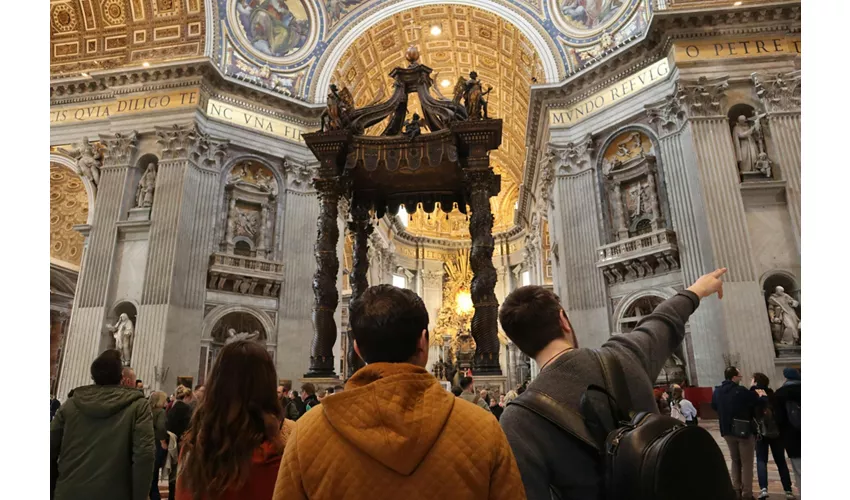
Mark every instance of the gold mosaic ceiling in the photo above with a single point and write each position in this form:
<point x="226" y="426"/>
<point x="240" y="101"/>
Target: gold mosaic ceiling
<point x="88" y="35"/>
<point x="69" y="205"/>
<point x="470" y="39"/>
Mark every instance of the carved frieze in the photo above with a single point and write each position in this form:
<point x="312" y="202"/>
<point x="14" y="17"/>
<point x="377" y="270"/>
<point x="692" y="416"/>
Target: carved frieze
<point x="780" y="92"/>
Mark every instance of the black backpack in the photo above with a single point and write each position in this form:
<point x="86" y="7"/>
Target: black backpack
<point x="766" y="426"/>
<point x="792" y="408"/>
<point x="643" y="456"/>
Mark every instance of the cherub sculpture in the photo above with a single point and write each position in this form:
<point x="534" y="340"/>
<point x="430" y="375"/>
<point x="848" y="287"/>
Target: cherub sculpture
<point x="340" y="105"/>
<point x="413" y="127"/>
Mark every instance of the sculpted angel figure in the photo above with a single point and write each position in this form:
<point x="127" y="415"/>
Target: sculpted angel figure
<point x="473" y="93"/>
<point x="88" y="160"/>
<point x="413" y="127"/>
<point x="232" y="336"/>
<point x="340" y="106"/>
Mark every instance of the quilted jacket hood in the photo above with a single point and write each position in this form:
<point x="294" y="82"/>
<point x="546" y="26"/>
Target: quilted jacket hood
<point x="393" y="412"/>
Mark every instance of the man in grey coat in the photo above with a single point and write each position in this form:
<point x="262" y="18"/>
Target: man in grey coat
<point x="549" y="459"/>
<point x="101" y="440"/>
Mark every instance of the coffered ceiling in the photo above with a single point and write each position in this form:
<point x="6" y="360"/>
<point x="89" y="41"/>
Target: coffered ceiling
<point x="453" y="40"/>
<point x="88" y="35"/>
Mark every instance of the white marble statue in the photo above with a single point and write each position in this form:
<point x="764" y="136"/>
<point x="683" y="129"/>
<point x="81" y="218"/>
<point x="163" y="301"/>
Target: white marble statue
<point x="745" y="137"/>
<point x="784" y="322"/>
<point x="232" y="336"/>
<point x="144" y="193"/>
<point x="764" y="165"/>
<point x="88" y="160"/>
<point x="123" y="333"/>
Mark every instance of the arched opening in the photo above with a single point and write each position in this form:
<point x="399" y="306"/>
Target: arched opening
<point x="233" y="325"/>
<point x="674" y="370"/>
<point x="242" y="248"/>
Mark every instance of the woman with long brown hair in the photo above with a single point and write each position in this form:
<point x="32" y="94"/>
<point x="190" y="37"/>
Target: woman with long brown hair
<point x="234" y="444"/>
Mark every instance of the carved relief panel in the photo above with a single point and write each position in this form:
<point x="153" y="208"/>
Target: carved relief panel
<point x="251" y="208"/>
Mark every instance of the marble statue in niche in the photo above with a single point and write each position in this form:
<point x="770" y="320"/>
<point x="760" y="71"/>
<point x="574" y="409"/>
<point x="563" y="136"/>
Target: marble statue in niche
<point x="784" y="322"/>
<point x="147" y="184"/>
<point x="232" y="336"/>
<point x="123" y="333"/>
<point x="750" y="153"/>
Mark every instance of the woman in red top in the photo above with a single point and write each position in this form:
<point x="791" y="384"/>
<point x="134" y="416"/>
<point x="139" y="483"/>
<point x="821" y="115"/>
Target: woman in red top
<point x="235" y="441"/>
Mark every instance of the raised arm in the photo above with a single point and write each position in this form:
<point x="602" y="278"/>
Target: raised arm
<point x="656" y="335"/>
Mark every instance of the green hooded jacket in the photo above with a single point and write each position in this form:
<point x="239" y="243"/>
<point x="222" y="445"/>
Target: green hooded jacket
<point x="102" y="445"/>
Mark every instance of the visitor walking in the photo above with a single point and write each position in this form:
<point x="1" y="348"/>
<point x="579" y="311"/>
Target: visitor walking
<point x="549" y="458"/>
<point x="234" y="445"/>
<point x="787" y="408"/>
<point x="308" y="395"/>
<point x="102" y="440"/>
<point x="736" y="407"/>
<point x="769" y="438"/>
<point x="395" y="431"/>
<point x="681" y="408"/>
<point x="177" y="422"/>
<point x="157" y="402"/>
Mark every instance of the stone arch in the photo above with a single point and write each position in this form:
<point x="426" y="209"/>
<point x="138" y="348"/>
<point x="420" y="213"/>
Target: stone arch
<point x="72" y="165"/>
<point x="276" y="171"/>
<point x="216" y="315"/>
<point x="535" y="35"/>
<point x="69" y="206"/>
<point x="663" y="293"/>
<point x="638" y="127"/>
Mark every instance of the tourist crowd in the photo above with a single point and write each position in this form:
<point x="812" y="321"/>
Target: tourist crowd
<point x="394" y="431"/>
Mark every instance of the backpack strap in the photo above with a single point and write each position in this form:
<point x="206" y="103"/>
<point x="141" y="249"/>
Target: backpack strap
<point x="566" y="419"/>
<point x="615" y="381"/>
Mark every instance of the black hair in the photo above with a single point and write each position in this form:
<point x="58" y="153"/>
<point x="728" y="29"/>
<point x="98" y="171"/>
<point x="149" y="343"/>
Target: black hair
<point x="531" y="318"/>
<point x="761" y="379"/>
<point x="457" y="391"/>
<point x="386" y="323"/>
<point x="107" y="368"/>
<point x="465" y="382"/>
<point x="730" y="373"/>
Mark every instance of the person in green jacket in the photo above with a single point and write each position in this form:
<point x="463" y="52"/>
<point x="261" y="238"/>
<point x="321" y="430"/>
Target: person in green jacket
<point x="102" y="439"/>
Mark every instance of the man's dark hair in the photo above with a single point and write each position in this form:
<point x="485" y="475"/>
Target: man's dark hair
<point x="309" y="388"/>
<point x="730" y="373"/>
<point x="457" y="391"/>
<point x="761" y="379"/>
<point x="107" y="369"/>
<point x="386" y="323"/>
<point x="465" y="382"/>
<point x="530" y="317"/>
<point x="138" y="381"/>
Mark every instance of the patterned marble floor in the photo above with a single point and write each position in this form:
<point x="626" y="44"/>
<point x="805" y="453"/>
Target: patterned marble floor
<point x="774" y="486"/>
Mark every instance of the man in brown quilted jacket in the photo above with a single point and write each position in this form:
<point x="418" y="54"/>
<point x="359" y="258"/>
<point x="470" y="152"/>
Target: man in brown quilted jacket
<point x="394" y="431"/>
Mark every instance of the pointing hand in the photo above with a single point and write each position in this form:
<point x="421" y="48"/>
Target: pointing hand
<point x="709" y="284"/>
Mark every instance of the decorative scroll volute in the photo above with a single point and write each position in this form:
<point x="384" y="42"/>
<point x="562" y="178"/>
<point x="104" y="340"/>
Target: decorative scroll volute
<point x="120" y="148"/>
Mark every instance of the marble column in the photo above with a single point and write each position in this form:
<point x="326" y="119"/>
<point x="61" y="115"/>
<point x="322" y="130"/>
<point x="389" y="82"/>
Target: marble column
<point x="114" y="195"/>
<point x="780" y="96"/>
<point x="582" y="285"/>
<point x="171" y="313"/>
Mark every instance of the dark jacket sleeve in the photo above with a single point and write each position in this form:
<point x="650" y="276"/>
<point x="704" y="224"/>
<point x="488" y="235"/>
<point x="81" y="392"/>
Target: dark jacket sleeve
<point x="57" y="429"/>
<point x="292" y="411"/>
<point x="159" y="432"/>
<point x="656" y="335"/>
<point x="143" y="451"/>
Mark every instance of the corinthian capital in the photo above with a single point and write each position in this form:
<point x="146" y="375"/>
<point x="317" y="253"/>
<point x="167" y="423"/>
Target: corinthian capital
<point x="119" y="148"/>
<point x="208" y="152"/>
<point x="668" y="115"/>
<point x="574" y="157"/>
<point x="176" y="141"/>
<point x="780" y="92"/>
<point x="702" y="97"/>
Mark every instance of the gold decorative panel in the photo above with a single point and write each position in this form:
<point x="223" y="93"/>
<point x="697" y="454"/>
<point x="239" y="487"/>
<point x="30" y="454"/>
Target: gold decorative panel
<point x="69" y="205"/>
<point x="470" y="39"/>
<point x="88" y="35"/>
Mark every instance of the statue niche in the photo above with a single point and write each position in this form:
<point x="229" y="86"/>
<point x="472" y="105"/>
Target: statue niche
<point x="630" y="180"/>
<point x="748" y="140"/>
<point x="783" y="311"/>
<point x="251" y="202"/>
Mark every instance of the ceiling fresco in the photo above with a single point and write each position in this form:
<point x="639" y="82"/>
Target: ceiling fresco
<point x="287" y="45"/>
<point x="91" y="35"/>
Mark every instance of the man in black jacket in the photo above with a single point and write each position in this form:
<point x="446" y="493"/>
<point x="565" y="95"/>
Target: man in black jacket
<point x="308" y="395"/>
<point x="733" y="402"/>
<point x="532" y="317"/>
<point x="177" y="422"/>
<point x="789" y="394"/>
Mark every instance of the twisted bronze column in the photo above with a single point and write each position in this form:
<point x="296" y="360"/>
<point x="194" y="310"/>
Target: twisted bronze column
<point x="480" y="182"/>
<point x="324" y="280"/>
<point x="361" y="228"/>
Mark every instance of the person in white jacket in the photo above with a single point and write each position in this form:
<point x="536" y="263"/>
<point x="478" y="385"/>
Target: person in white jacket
<point x="681" y="408"/>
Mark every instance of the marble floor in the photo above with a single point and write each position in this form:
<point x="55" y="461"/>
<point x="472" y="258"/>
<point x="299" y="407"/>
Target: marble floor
<point x="774" y="486"/>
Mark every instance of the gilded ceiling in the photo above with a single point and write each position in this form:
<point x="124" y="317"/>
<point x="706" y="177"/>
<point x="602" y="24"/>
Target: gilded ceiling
<point x="453" y="41"/>
<point x="69" y="206"/>
<point x="88" y="35"/>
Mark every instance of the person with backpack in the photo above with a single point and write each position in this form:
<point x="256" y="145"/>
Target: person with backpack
<point x="787" y="410"/>
<point x="558" y="426"/>
<point x="736" y="407"/>
<point x="768" y="438"/>
<point x="681" y="408"/>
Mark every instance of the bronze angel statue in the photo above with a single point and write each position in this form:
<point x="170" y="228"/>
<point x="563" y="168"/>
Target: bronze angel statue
<point x="473" y="93"/>
<point x="340" y="105"/>
<point x="413" y="127"/>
